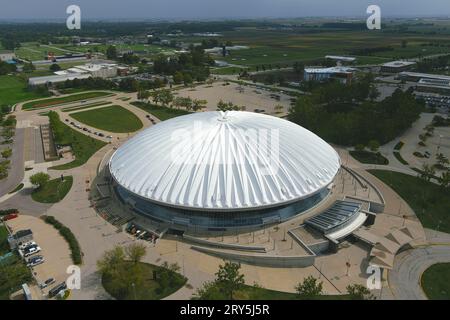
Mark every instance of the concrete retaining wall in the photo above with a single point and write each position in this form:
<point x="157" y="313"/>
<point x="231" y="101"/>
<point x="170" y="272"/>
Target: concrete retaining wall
<point x="266" y="260"/>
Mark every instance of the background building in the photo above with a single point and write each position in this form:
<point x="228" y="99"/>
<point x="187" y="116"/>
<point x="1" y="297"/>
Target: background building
<point x="397" y="66"/>
<point x="342" y="74"/>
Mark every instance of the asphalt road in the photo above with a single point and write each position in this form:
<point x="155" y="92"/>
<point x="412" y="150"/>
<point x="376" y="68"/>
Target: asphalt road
<point x="16" y="172"/>
<point x="404" y="279"/>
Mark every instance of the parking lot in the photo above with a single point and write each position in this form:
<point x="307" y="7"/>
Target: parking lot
<point x="54" y="250"/>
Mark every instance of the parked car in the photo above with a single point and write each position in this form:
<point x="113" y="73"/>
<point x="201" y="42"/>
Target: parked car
<point x="31" y="250"/>
<point x="27" y="244"/>
<point x="10" y="216"/>
<point x="101" y="134"/>
<point x="32" y="262"/>
<point x="47" y="283"/>
<point x="60" y="287"/>
<point x="109" y="137"/>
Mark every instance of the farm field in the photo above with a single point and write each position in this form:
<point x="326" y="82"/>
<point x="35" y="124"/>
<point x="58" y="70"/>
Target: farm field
<point x="281" y="47"/>
<point x="113" y="119"/>
<point x="13" y="89"/>
<point x="32" y="51"/>
<point x="140" y="49"/>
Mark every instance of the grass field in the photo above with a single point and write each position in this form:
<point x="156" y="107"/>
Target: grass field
<point x="87" y="106"/>
<point x="369" y="157"/>
<point x="72" y="98"/>
<point x="53" y="191"/>
<point x="13" y="89"/>
<point x="83" y="147"/>
<point x="429" y="201"/>
<point x="162" y="113"/>
<point x="112" y="119"/>
<point x="149" y="288"/>
<point x="435" y="281"/>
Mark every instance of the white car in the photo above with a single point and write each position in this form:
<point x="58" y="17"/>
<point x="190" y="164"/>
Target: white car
<point x="30" y="251"/>
<point x="27" y="244"/>
<point x="35" y="261"/>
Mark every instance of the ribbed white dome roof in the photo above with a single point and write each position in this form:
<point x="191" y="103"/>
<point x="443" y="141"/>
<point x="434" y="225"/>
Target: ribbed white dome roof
<point x="209" y="160"/>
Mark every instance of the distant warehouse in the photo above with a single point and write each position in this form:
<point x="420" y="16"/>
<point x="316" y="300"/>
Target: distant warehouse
<point x="397" y="66"/>
<point x="428" y="82"/>
<point x="343" y="74"/>
<point x="101" y="70"/>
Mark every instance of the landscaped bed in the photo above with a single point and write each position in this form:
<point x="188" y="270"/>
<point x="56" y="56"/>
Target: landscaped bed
<point x="369" y="157"/>
<point x="53" y="191"/>
<point x="429" y="201"/>
<point x="162" y="113"/>
<point x="83" y="147"/>
<point x="112" y="119"/>
<point x="149" y="288"/>
<point x="72" y="98"/>
<point x="435" y="281"/>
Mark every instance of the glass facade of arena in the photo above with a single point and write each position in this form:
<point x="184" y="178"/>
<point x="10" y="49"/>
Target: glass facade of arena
<point x="216" y="221"/>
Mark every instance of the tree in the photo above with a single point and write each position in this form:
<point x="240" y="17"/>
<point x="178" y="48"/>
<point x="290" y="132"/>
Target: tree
<point x="373" y="145"/>
<point x="135" y="252"/>
<point x="359" y="292"/>
<point x="55" y="67"/>
<point x="229" y="278"/>
<point x="111" y="53"/>
<point x="28" y="67"/>
<point x="7" y="153"/>
<point x="198" y="104"/>
<point x="279" y="108"/>
<point x="39" y="179"/>
<point x="166" y="96"/>
<point x="359" y="147"/>
<point x="442" y="160"/>
<point x="427" y="172"/>
<point x="309" y="288"/>
<point x="444" y="181"/>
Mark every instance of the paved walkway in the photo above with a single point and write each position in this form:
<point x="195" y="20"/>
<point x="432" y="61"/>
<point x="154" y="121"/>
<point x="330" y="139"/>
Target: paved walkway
<point x="404" y="279"/>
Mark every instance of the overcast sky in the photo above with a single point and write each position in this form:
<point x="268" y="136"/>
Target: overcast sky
<point x="212" y="9"/>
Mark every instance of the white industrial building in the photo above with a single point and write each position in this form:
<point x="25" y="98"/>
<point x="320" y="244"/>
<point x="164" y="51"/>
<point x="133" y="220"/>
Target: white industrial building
<point x="7" y="55"/>
<point x="99" y="70"/>
<point x="343" y="74"/>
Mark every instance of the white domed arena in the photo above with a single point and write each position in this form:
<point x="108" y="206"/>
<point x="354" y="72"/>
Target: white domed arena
<point x="222" y="171"/>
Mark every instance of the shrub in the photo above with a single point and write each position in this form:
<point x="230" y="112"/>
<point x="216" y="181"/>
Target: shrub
<point x="68" y="236"/>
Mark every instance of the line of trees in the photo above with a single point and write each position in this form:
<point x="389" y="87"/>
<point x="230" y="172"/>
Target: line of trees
<point x="349" y="115"/>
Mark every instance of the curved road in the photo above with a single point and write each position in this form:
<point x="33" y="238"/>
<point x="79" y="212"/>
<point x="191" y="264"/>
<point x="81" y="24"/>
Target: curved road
<point x="404" y="279"/>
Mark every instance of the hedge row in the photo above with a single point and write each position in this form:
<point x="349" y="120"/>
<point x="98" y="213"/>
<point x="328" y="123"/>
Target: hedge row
<point x="8" y="211"/>
<point x="68" y="235"/>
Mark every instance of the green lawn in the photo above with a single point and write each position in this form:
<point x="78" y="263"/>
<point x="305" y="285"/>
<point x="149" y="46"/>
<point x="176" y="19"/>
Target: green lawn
<point x="369" y="157"/>
<point x="430" y="202"/>
<point x="13" y="89"/>
<point x="149" y="288"/>
<point x="87" y="106"/>
<point x="162" y="113"/>
<point x="72" y="98"/>
<point x="112" y="119"/>
<point x="53" y="191"/>
<point x="83" y="146"/>
<point x="435" y="281"/>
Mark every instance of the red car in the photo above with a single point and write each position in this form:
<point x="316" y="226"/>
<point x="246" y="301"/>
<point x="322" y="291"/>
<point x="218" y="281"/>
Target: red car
<point x="10" y="216"/>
